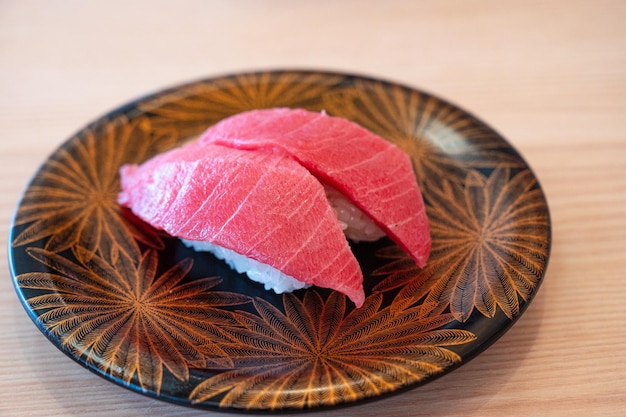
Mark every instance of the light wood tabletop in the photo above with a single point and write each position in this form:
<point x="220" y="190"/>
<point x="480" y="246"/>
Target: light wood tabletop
<point x="550" y="76"/>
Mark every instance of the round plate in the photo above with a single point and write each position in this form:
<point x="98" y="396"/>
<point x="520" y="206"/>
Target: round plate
<point x="138" y="308"/>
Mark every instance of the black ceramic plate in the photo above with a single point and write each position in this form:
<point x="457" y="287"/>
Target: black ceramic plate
<point x="139" y="309"/>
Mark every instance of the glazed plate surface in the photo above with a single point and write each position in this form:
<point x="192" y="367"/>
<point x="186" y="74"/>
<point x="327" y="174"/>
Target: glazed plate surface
<point x="138" y="308"/>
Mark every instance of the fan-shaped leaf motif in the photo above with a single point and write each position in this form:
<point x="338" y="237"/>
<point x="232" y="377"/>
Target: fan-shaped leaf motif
<point x="72" y="199"/>
<point x="190" y="110"/>
<point x="122" y="322"/>
<point x="442" y="140"/>
<point x="313" y="353"/>
<point x="489" y="248"/>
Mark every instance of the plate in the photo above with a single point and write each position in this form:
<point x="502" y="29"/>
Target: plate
<point x="141" y="310"/>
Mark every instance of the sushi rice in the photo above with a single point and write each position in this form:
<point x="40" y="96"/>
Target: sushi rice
<point x="356" y="225"/>
<point x="257" y="271"/>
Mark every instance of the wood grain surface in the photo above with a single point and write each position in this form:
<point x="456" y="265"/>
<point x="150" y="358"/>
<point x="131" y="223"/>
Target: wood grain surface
<point x="548" y="75"/>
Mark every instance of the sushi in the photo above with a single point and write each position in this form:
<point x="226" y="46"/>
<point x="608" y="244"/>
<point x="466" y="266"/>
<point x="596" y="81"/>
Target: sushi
<point x="369" y="171"/>
<point x="276" y="193"/>
<point x="262" y="212"/>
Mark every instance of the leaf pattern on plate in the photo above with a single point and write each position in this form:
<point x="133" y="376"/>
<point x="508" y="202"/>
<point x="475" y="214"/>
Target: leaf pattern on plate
<point x="190" y="110"/>
<point x="442" y="140"/>
<point x="125" y="301"/>
<point x="72" y="201"/>
<point x="132" y="325"/>
<point x="489" y="248"/>
<point x="314" y="354"/>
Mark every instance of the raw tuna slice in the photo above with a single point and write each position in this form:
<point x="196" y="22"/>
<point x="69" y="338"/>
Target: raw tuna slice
<point x="263" y="205"/>
<point x="375" y="174"/>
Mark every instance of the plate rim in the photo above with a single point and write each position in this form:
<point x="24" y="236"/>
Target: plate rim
<point x="130" y="108"/>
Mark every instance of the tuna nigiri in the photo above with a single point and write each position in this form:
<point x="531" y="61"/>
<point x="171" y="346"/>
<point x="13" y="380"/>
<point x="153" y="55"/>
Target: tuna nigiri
<point x="240" y="204"/>
<point x="375" y="175"/>
<point x="270" y="192"/>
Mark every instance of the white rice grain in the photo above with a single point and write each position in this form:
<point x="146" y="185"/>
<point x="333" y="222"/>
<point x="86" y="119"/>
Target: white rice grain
<point x="356" y="225"/>
<point x="270" y="277"/>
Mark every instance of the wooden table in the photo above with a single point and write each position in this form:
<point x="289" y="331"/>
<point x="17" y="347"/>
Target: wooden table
<point x="550" y="76"/>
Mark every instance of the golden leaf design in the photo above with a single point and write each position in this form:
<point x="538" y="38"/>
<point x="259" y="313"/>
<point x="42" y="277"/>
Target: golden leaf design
<point x="314" y="354"/>
<point x="442" y="140"/>
<point x="490" y="244"/>
<point x="191" y="109"/>
<point x="129" y="322"/>
<point x="102" y="293"/>
<point x="72" y="199"/>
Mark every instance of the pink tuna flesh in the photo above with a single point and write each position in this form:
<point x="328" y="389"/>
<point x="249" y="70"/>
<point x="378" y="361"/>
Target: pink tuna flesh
<point x="375" y="174"/>
<point x="263" y="205"/>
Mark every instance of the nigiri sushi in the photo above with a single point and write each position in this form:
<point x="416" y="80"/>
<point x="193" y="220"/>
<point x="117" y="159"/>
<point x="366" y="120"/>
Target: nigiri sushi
<point x="272" y="192"/>
<point x="372" y="173"/>
<point x="262" y="212"/>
